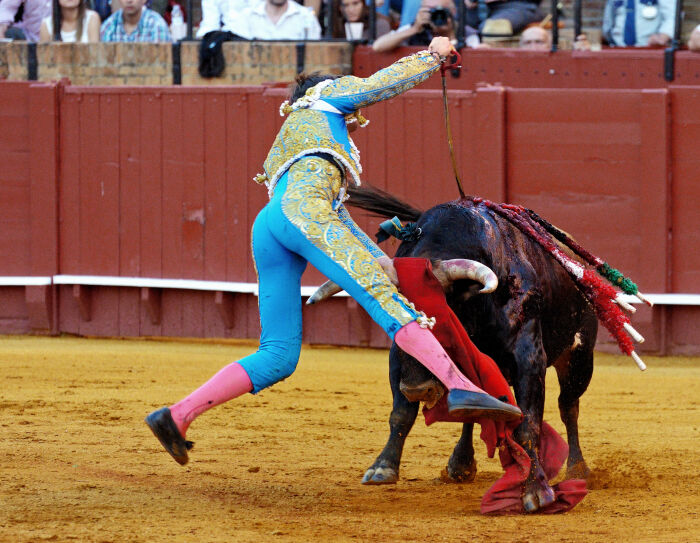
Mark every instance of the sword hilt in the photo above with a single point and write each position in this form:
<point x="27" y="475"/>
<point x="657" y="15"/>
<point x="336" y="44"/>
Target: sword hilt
<point x="455" y="62"/>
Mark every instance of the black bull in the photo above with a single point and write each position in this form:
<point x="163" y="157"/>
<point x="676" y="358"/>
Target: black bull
<point x="536" y="318"/>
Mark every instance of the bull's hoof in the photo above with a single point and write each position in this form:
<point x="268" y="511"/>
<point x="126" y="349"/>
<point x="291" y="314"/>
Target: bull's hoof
<point x="578" y="471"/>
<point x="535" y="500"/>
<point x="163" y="427"/>
<point x="380" y="476"/>
<point x="459" y="474"/>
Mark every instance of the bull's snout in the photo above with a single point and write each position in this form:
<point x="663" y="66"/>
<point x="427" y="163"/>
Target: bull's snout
<point x="429" y="392"/>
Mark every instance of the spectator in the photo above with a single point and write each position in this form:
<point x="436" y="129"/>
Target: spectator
<point x="353" y="21"/>
<point x="21" y="19"/>
<point x="386" y="7"/>
<point x="491" y="17"/>
<point x="502" y="18"/>
<point x="74" y="23"/>
<point x="135" y="22"/>
<point x="434" y="18"/>
<point x="215" y="14"/>
<point x="638" y="23"/>
<point x="582" y="44"/>
<point x="535" y="38"/>
<point x="694" y="40"/>
<point x="275" y="20"/>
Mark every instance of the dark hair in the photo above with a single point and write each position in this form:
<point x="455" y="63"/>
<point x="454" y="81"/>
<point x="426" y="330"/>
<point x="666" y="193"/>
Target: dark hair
<point x="304" y="82"/>
<point x="339" y="20"/>
<point x="57" y="20"/>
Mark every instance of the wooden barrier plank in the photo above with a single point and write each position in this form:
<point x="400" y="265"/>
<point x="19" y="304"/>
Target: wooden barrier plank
<point x="15" y="167"/>
<point x="685" y="189"/>
<point x="172" y="200"/>
<point x="397" y="176"/>
<point x="654" y="190"/>
<point x="193" y="210"/>
<point x="491" y="144"/>
<point x="127" y="148"/>
<point x="15" y="247"/>
<point x="373" y="142"/>
<point x="69" y="174"/>
<point x="150" y="199"/>
<point x="129" y="151"/>
<point x="411" y="140"/>
<point x="14" y="136"/>
<point x="465" y="139"/>
<point x="193" y="312"/>
<point x="99" y="211"/>
<point x="239" y="183"/>
<point x="216" y="199"/>
<point x="151" y="185"/>
<point x="44" y="179"/>
<point x="216" y="203"/>
<point x="43" y="203"/>
<point x="99" y="195"/>
<point x="13" y="310"/>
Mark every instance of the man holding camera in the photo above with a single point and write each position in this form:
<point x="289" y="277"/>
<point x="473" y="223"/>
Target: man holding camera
<point x="434" y="18"/>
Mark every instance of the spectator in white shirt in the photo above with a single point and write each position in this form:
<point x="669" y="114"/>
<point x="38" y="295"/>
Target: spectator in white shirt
<point x="275" y="20"/>
<point x="215" y="14"/>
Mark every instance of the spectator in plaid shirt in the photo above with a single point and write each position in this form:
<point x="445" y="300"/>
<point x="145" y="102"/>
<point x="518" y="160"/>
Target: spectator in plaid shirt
<point x="135" y="22"/>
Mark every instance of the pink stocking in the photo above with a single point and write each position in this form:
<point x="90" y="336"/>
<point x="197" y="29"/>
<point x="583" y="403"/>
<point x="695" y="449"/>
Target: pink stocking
<point x="230" y="382"/>
<point x="422" y="345"/>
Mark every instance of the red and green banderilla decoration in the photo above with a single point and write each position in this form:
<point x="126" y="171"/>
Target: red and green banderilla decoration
<point x="604" y="298"/>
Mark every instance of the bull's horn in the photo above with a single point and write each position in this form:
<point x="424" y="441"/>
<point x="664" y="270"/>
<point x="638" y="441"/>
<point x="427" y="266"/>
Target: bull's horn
<point x="461" y="268"/>
<point x="326" y="290"/>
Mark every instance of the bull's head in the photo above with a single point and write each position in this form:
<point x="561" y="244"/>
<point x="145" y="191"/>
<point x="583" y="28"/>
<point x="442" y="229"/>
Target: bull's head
<point x="445" y="271"/>
<point x="417" y="383"/>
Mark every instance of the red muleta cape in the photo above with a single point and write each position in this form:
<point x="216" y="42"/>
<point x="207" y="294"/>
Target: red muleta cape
<point x="422" y="288"/>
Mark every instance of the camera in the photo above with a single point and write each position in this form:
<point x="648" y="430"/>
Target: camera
<point x="439" y="17"/>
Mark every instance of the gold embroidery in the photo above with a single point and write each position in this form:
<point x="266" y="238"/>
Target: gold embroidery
<point x="304" y="132"/>
<point x="402" y="75"/>
<point x="312" y="184"/>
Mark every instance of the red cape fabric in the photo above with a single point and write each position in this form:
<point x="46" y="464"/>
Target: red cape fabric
<point x="421" y="287"/>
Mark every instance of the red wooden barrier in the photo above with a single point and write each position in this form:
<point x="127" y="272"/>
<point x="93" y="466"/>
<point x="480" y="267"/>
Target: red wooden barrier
<point x="157" y="182"/>
<point x="607" y="69"/>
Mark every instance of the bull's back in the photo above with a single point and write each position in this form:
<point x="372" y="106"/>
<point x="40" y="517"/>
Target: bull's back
<point x="532" y="284"/>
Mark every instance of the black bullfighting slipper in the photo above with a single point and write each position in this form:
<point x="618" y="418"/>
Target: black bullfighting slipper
<point x="477" y="404"/>
<point x="163" y="427"/>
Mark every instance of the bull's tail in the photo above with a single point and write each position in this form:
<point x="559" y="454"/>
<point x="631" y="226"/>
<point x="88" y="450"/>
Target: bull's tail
<point x="382" y="204"/>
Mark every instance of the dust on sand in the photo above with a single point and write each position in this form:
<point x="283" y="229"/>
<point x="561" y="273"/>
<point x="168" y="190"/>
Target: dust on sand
<point x="79" y="464"/>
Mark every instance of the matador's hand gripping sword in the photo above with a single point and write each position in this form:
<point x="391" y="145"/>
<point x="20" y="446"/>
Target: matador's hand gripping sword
<point x="454" y="63"/>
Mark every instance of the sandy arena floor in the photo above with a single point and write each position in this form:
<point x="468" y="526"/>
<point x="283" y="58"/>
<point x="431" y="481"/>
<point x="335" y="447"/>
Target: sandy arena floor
<point x="285" y="466"/>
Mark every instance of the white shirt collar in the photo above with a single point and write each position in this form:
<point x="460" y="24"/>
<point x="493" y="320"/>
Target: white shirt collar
<point x="292" y="8"/>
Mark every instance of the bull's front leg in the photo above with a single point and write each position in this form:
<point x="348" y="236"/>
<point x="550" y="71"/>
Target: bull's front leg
<point x="461" y="468"/>
<point x="531" y="364"/>
<point x="385" y="469"/>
